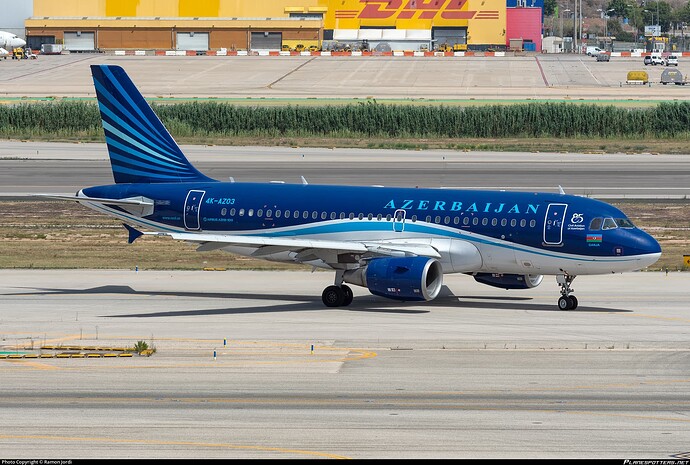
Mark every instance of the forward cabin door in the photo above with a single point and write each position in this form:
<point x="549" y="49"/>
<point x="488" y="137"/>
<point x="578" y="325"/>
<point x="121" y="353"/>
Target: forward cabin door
<point x="553" y="224"/>
<point x="192" y="210"/>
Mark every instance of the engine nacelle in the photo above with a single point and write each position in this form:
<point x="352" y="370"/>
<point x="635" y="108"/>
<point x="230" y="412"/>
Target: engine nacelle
<point x="408" y="278"/>
<point x="509" y="281"/>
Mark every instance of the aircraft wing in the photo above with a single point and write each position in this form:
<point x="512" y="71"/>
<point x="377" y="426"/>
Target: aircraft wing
<point x="319" y="248"/>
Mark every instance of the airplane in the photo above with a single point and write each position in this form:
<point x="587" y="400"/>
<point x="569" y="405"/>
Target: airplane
<point x="397" y="242"/>
<point x="10" y="41"/>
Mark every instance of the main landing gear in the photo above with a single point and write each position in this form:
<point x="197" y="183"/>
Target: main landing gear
<point x="338" y="295"/>
<point x="566" y="301"/>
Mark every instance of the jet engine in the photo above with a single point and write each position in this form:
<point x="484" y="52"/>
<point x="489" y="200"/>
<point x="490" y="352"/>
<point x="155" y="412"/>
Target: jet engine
<point x="400" y="278"/>
<point x="509" y="281"/>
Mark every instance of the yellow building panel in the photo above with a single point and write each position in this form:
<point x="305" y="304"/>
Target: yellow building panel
<point x="488" y="25"/>
<point x="174" y="8"/>
<point x="189" y="24"/>
<point x="69" y="8"/>
<point x="199" y="8"/>
<point x="121" y="7"/>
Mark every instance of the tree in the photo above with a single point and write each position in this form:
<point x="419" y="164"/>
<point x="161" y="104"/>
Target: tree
<point x="550" y="7"/>
<point x="620" y="8"/>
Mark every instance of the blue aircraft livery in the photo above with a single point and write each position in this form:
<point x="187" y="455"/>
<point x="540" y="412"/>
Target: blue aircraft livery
<point x="396" y="242"/>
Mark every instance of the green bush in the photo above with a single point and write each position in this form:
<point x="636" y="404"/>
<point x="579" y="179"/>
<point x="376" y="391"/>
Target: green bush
<point x="66" y="119"/>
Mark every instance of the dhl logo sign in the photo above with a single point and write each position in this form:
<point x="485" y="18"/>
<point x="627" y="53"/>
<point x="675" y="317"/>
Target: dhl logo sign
<point x="414" y="9"/>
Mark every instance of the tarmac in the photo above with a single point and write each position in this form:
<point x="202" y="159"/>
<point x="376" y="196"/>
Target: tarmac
<point x="251" y="365"/>
<point x="560" y="77"/>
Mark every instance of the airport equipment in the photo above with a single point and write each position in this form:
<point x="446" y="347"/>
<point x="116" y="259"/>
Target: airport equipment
<point x="637" y="77"/>
<point x="673" y="76"/>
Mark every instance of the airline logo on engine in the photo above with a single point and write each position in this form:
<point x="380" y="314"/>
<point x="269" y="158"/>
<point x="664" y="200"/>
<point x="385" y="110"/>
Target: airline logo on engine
<point x="414" y="9"/>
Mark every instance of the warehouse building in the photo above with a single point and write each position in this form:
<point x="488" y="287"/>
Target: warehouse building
<point x="201" y="25"/>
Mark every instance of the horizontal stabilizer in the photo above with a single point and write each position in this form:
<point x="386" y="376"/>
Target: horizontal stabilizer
<point x="141" y="201"/>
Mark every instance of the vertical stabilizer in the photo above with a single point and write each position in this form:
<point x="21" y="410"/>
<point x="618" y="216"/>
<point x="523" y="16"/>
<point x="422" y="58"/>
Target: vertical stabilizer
<point x="141" y="149"/>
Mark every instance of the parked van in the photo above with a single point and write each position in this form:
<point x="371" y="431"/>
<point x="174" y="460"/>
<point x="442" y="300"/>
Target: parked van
<point x="654" y="59"/>
<point x="593" y="51"/>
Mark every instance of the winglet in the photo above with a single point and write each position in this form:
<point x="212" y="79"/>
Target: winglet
<point x="134" y="234"/>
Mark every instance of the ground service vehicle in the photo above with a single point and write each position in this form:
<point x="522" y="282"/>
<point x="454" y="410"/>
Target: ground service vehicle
<point x="603" y="57"/>
<point x="593" y="51"/>
<point x="671" y="60"/>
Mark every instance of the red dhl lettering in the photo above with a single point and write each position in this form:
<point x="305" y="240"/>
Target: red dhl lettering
<point x="425" y="9"/>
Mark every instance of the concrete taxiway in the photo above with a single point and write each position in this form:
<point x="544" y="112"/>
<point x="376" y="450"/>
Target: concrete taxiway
<point x="479" y="372"/>
<point x="535" y="77"/>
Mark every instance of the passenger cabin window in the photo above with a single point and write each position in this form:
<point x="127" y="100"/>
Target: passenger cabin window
<point x="609" y="224"/>
<point x="595" y="224"/>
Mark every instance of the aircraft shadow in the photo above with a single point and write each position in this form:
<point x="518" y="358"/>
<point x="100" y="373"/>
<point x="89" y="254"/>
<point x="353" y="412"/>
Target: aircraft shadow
<point x="368" y="304"/>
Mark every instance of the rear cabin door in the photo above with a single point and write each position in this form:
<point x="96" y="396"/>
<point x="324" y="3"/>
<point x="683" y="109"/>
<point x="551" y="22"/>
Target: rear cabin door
<point x="192" y="210"/>
<point x="553" y="223"/>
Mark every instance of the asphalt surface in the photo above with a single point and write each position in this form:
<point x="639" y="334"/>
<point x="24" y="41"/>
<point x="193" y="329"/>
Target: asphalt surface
<point x="34" y="167"/>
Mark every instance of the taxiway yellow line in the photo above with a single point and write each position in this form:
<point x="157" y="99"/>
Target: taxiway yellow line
<point x="174" y="443"/>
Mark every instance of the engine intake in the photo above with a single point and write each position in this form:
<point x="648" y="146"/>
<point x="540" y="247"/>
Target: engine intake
<point x="509" y="281"/>
<point x="408" y="278"/>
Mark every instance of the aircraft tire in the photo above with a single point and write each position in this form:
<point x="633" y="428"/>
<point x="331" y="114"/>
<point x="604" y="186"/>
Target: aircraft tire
<point x="348" y="295"/>
<point x="564" y="303"/>
<point x="573" y="302"/>
<point x="333" y="296"/>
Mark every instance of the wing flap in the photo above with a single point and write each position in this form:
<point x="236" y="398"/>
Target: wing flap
<point x="269" y="245"/>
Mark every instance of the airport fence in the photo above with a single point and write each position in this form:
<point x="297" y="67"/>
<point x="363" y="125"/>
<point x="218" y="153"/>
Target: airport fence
<point x="209" y="119"/>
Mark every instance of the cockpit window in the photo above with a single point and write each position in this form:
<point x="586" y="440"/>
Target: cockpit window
<point x="595" y="224"/>
<point x="609" y="224"/>
<point x="624" y="223"/>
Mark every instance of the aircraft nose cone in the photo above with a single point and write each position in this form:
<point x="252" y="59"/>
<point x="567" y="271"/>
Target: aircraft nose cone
<point x="648" y="248"/>
<point x="650" y="245"/>
<point x="18" y="42"/>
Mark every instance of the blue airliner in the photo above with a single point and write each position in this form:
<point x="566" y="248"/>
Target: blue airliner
<point x="397" y="242"/>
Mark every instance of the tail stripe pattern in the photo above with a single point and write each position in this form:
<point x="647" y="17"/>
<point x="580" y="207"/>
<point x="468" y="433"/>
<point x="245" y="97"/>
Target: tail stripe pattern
<point x="131" y="130"/>
<point x="141" y="149"/>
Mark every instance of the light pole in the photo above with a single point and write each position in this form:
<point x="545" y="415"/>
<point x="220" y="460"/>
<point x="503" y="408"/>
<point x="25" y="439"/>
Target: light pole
<point x="605" y="16"/>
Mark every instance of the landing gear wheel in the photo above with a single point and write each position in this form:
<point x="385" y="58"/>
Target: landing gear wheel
<point x="564" y="303"/>
<point x="333" y="296"/>
<point x="573" y="302"/>
<point x="348" y="295"/>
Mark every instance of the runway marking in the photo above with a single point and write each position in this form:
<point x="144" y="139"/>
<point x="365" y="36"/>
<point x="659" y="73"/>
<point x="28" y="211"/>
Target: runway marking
<point x="176" y="443"/>
<point x="34" y="365"/>
<point x="637" y="417"/>
<point x="657" y="317"/>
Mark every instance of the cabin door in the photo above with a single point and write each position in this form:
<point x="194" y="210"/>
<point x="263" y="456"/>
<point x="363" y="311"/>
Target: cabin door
<point x="192" y="210"/>
<point x="399" y="220"/>
<point x="553" y="223"/>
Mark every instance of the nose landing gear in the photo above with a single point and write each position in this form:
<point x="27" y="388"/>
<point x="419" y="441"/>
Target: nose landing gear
<point x="566" y="301"/>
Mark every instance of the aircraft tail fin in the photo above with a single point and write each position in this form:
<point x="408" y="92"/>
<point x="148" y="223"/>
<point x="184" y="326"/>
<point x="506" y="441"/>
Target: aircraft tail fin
<point x="141" y="149"/>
